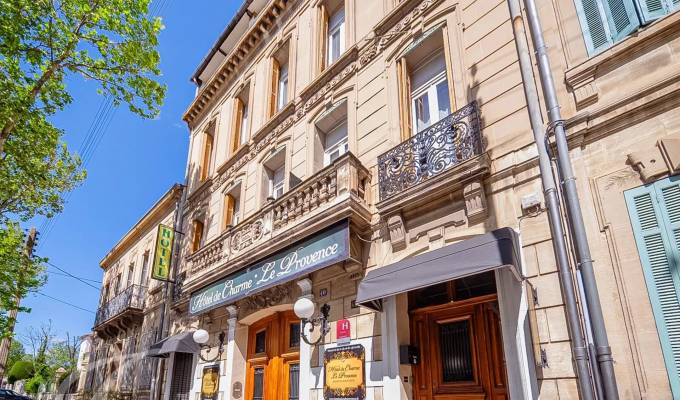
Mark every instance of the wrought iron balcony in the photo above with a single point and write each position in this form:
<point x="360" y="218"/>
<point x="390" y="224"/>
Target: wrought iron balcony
<point x="129" y="300"/>
<point x="444" y="145"/>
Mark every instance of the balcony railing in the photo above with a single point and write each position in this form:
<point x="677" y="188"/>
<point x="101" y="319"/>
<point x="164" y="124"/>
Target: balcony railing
<point x="445" y="144"/>
<point x="132" y="298"/>
<point x="345" y="180"/>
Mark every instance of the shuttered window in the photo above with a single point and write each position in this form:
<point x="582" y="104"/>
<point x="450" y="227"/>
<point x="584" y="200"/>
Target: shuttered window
<point x="655" y="215"/>
<point x="605" y="22"/>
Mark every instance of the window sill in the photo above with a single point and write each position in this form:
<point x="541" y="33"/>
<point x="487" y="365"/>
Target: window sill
<point x="580" y="78"/>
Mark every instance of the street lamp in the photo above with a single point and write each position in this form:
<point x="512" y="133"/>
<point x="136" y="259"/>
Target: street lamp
<point x="304" y="309"/>
<point x="201" y="337"/>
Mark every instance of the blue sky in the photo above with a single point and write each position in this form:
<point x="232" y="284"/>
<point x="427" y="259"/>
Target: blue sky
<point x="136" y="161"/>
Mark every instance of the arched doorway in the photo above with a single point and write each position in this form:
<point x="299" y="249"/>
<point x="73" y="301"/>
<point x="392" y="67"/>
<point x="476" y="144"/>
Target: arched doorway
<point x="273" y="358"/>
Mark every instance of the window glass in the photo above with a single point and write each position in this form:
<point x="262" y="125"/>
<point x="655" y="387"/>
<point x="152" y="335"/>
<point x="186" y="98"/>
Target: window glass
<point x="430" y="100"/>
<point x="456" y="352"/>
<point x="283" y="87"/>
<point x="261" y="342"/>
<point x="336" y="143"/>
<point x="294" y="382"/>
<point x="237" y="209"/>
<point x="145" y="268"/>
<point x="276" y="183"/>
<point x="336" y="35"/>
<point x="244" y="124"/>
<point x="258" y="384"/>
<point x="294" y="341"/>
<point x="130" y="275"/>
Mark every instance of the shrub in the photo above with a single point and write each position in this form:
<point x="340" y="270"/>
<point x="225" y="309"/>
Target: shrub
<point x="20" y="370"/>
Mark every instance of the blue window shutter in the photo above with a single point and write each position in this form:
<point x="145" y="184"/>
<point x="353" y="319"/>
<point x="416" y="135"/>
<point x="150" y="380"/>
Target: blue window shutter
<point x="653" y="9"/>
<point x="676" y="4"/>
<point x="655" y="216"/>
<point x="621" y="17"/>
<point x="593" y="21"/>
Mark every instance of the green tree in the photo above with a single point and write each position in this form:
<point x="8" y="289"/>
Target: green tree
<point x="42" y="43"/>
<point x="16" y="353"/>
<point x="21" y="370"/>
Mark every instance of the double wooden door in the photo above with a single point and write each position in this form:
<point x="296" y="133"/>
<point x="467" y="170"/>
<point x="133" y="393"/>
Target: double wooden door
<point x="273" y="361"/>
<point x="461" y="353"/>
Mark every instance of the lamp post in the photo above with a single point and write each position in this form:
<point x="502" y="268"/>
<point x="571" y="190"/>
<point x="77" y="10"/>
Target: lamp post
<point x="304" y="309"/>
<point x="201" y="337"/>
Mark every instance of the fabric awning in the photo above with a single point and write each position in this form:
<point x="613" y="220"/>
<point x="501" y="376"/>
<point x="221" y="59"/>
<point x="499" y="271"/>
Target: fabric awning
<point x="479" y="254"/>
<point x="179" y="343"/>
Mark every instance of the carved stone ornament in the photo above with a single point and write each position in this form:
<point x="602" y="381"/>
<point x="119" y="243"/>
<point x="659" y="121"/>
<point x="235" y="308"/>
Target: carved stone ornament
<point x="475" y="201"/>
<point x="267" y="298"/>
<point x="397" y="231"/>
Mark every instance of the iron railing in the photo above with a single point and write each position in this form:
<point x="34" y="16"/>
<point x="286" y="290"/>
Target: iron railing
<point x="443" y="145"/>
<point x="130" y="298"/>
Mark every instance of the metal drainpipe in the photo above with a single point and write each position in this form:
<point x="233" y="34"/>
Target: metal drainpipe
<point x="573" y="207"/>
<point x="550" y="193"/>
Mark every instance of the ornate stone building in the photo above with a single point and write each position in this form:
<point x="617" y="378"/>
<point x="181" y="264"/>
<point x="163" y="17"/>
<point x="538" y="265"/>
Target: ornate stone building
<point x="377" y="157"/>
<point x="128" y="321"/>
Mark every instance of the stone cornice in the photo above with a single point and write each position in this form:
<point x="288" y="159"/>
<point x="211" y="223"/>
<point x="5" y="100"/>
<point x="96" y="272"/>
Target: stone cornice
<point x="230" y="67"/>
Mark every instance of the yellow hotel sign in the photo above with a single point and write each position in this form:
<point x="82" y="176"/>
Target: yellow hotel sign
<point x="161" y="261"/>
<point x="344" y="374"/>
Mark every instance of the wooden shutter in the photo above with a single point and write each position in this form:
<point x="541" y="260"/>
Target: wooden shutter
<point x="236" y="126"/>
<point x="622" y="18"/>
<point x="198" y="236"/>
<point x="655" y="216"/>
<point x="323" y="37"/>
<point x="207" y="155"/>
<point x="228" y="210"/>
<point x="404" y="99"/>
<point x="276" y="70"/>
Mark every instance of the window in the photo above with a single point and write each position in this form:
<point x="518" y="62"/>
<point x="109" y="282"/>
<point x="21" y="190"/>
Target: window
<point x="197" y="237"/>
<point x="331" y="135"/>
<point x="279" y="90"/>
<point x="331" y="32"/>
<point x="655" y="215"/>
<point x="207" y="155"/>
<point x="116" y="287"/>
<point x="336" y="35"/>
<point x="424" y="92"/>
<point x="145" y="268"/>
<point x="605" y="22"/>
<point x="232" y="205"/>
<point x="275" y="175"/>
<point x="130" y="275"/>
<point x="240" y="130"/>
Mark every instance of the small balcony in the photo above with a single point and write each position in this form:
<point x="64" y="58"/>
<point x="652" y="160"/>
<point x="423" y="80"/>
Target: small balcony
<point x="120" y="312"/>
<point x="338" y="191"/>
<point x="440" y="158"/>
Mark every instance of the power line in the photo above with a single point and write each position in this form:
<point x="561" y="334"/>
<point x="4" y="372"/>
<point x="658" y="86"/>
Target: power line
<point x="73" y="276"/>
<point x="69" y="276"/>
<point x="65" y="302"/>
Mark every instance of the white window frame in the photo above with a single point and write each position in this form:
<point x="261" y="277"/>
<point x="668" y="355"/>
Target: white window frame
<point x="282" y="92"/>
<point x="428" y="88"/>
<point x="342" y="146"/>
<point x="276" y="182"/>
<point x="244" y="125"/>
<point x="336" y="25"/>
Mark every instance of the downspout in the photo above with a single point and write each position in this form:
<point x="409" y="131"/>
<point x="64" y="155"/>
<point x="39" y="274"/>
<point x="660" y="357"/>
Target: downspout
<point x="573" y="207"/>
<point x="579" y="350"/>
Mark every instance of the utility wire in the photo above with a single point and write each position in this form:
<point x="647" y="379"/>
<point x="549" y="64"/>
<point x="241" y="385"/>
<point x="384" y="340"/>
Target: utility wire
<point x="65" y="302"/>
<point x="69" y="276"/>
<point x="73" y="276"/>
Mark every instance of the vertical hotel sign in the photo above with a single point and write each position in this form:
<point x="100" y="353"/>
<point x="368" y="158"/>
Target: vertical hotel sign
<point x="163" y="256"/>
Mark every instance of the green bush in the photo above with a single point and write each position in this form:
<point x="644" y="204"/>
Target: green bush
<point x="20" y="370"/>
<point x="32" y="386"/>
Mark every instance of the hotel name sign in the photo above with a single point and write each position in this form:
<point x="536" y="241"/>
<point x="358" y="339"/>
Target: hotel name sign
<point x="319" y="251"/>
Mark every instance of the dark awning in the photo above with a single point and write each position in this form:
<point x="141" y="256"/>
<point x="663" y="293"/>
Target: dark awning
<point x="179" y="343"/>
<point x="479" y="254"/>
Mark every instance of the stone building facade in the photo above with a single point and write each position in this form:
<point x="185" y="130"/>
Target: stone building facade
<point x="128" y="321"/>
<point x="336" y="145"/>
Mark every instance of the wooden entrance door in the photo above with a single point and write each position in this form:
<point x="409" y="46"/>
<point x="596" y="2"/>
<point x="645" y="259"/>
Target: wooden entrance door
<point x="273" y="364"/>
<point x="461" y="354"/>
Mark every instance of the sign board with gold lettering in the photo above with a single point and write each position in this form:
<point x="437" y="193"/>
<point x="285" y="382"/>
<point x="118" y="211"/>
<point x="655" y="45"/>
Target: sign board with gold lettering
<point x="345" y="373"/>
<point x="161" y="261"/>
<point x="210" y="384"/>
